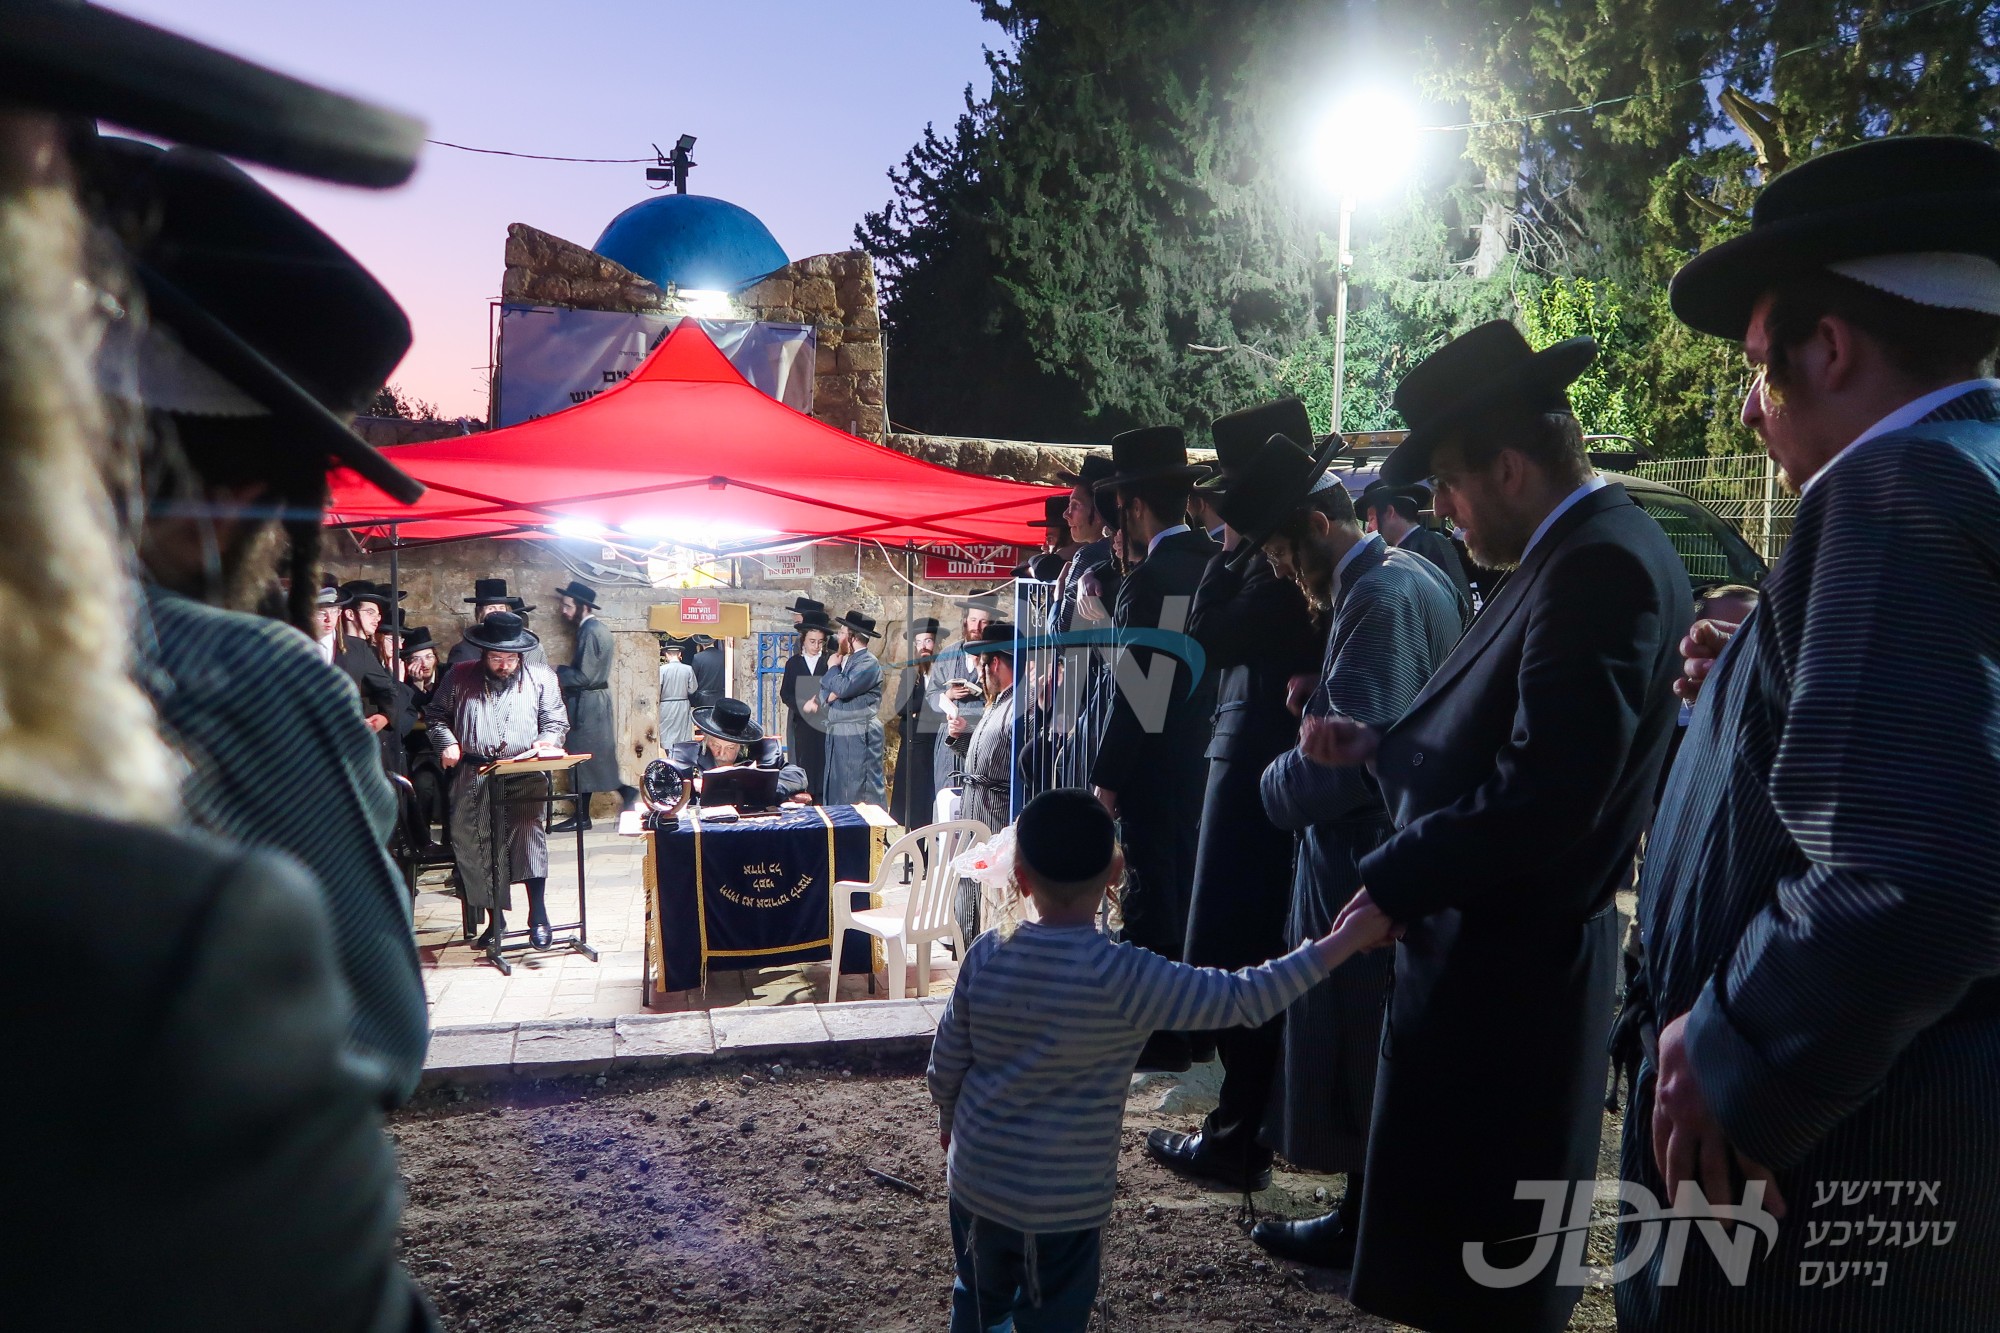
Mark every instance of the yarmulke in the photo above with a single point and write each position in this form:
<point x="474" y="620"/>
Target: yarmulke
<point x="1064" y="835"/>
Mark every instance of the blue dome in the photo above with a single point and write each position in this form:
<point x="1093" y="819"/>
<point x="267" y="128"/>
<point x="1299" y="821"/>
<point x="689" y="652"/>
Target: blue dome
<point x="692" y="242"/>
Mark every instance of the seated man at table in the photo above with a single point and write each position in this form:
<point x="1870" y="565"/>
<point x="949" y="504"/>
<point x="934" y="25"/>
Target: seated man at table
<point x="727" y="737"/>
<point x="498" y="707"/>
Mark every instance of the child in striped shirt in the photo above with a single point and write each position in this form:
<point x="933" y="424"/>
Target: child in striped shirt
<point x="1034" y="1056"/>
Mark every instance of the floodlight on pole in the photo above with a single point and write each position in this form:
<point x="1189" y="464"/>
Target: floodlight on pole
<point x="1362" y="148"/>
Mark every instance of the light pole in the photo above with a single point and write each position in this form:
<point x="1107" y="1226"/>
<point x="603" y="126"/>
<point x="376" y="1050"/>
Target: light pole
<point x="1362" y="148"/>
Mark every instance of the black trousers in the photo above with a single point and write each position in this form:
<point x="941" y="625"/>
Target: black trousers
<point x="1250" y="1059"/>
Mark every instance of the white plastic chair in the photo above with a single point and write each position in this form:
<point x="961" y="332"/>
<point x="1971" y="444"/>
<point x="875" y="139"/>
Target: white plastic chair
<point x="912" y="917"/>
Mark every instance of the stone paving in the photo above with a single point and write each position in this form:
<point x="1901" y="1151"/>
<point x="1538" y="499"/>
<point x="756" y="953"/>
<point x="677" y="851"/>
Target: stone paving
<point x="464" y="991"/>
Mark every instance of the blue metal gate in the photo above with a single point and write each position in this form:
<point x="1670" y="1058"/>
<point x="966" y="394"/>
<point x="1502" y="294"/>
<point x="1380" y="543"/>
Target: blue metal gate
<point x="774" y="649"/>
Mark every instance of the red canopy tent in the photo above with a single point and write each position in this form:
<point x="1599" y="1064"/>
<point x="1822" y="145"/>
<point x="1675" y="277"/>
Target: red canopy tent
<point x="685" y="451"/>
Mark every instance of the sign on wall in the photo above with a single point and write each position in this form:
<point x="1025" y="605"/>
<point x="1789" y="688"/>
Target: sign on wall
<point x="991" y="560"/>
<point x="701" y="611"/>
<point x="788" y="564"/>
<point x="726" y="620"/>
<point x="552" y="357"/>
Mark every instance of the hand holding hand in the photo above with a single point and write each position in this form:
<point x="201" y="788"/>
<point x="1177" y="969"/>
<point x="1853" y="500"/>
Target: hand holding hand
<point x="1688" y="1141"/>
<point x="1704" y="643"/>
<point x="1338" y="741"/>
<point x="1361" y="926"/>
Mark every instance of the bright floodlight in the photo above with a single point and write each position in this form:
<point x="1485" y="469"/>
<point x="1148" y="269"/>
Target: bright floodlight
<point x="1364" y="145"/>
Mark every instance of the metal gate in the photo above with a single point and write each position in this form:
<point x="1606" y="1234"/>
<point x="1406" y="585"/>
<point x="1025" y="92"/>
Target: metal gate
<point x="774" y="649"/>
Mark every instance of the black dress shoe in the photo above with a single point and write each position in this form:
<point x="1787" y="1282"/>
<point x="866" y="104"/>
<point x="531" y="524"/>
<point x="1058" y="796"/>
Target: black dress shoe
<point x="1199" y="1155"/>
<point x="572" y="824"/>
<point x="539" y="934"/>
<point x="1323" y="1242"/>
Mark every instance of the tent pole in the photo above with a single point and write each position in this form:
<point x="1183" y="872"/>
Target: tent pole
<point x="394" y="615"/>
<point x="910" y="658"/>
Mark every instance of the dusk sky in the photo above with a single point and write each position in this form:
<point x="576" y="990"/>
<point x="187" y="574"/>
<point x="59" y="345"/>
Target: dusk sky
<point x="800" y="108"/>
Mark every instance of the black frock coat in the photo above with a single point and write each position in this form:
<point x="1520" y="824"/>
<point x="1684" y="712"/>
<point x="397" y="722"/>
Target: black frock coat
<point x="1519" y="782"/>
<point x="805" y="734"/>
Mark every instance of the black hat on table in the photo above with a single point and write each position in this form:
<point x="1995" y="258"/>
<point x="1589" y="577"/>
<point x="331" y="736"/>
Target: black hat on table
<point x="1151" y="453"/>
<point x="259" y="329"/>
<point x="805" y="606"/>
<point x="83" y="61"/>
<point x="416" y="640"/>
<point x="502" y="632"/>
<point x="729" y="719"/>
<point x="1052" y="513"/>
<point x="1487" y="368"/>
<point x="858" y="623"/>
<point x="1931" y="198"/>
<point x="1065" y="836"/>
<point x="493" y="592"/>
<point x="580" y="592"/>
<point x="1239" y="435"/>
<point x="1275" y="481"/>
<point x="997" y="637"/>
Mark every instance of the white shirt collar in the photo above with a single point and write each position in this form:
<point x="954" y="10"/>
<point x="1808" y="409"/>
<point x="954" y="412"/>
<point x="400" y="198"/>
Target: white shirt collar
<point x="1592" y="483"/>
<point x="1162" y="535"/>
<point x="1368" y="540"/>
<point x="1909" y="414"/>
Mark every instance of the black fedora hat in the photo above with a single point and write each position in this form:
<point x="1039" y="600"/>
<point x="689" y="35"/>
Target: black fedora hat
<point x="1487" y="367"/>
<point x="805" y="606"/>
<point x="815" y="620"/>
<point x="1052" y="513"/>
<point x="729" y="719"/>
<point x="502" y="632"/>
<point x="1239" y="435"/>
<point x="84" y="61"/>
<point x="263" y="334"/>
<point x="1275" y="481"/>
<point x="579" y="591"/>
<point x="997" y="637"/>
<point x="416" y="639"/>
<point x="355" y="591"/>
<point x="1151" y="453"/>
<point x="1916" y="194"/>
<point x="493" y="592"/>
<point x="1093" y="469"/>
<point x="860" y="624"/>
<point x="929" y="625"/>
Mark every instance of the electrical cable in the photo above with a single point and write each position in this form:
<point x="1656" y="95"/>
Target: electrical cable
<point x="932" y="592"/>
<point x="538" y="157"/>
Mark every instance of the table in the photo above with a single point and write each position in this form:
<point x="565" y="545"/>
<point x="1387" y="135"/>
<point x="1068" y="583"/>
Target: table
<point x="572" y="936"/>
<point x="751" y="894"/>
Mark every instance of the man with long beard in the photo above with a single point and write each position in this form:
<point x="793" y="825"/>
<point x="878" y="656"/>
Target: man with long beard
<point x="254" y="1162"/>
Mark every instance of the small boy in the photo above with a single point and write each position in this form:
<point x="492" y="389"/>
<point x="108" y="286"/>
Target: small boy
<point x="1034" y="1057"/>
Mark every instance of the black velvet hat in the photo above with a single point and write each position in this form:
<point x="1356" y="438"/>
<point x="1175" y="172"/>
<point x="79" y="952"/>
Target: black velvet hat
<point x="929" y="625"/>
<point x="416" y="639"/>
<point x="580" y="592"/>
<point x="1065" y="836"/>
<point x="729" y="719"/>
<point x="84" y="61"/>
<point x="1911" y="195"/>
<point x="1151" y="453"/>
<point x="1093" y="469"/>
<point x="1275" y="481"/>
<point x="805" y="606"/>
<point x="258" y="318"/>
<point x="860" y="624"/>
<point x="1485" y="368"/>
<point x="1052" y="513"/>
<point x="1239" y="435"/>
<point x="502" y="632"/>
<point x="355" y="591"/>
<point x="493" y="592"/>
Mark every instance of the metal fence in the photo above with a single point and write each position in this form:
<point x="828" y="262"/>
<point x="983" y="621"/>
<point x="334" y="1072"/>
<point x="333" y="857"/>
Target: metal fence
<point x="1742" y="489"/>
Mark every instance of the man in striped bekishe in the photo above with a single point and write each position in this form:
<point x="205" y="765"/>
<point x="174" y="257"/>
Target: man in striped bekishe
<point x="1034" y="1054"/>
<point x="1821" y="897"/>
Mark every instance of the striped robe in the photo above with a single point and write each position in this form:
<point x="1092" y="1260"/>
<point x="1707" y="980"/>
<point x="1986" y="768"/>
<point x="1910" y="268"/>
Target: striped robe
<point x="1395" y="620"/>
<point x="1822" y="898"/>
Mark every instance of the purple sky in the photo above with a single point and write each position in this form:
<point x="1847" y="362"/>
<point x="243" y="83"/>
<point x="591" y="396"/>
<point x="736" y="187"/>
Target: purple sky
<point x="800" y="107"/>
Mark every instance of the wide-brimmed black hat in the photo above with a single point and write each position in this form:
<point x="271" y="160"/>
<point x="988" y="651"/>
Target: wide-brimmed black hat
<point x="355" y="591"/>
<point x="729" y="719"/>
<point x="491" y="592"/>
<point x="416" y="639"/>
<point x="1239" y="435"/>
<point x="1379" y="494"/>
<point x="256" y="320"/>
<point x="83" y="61"/>
<point x="860" y="624"/>
<point x="1093" y="469"/>
<point x="984" y="601"/>
<point x="815" y="620"/>
<point x="1912" y="195"/>
<point x="1483" y="369"/>
<point x="502" y="632"/>
<point x="578" y="591"/>
<point x="1052" y="513"/>
<point x="997" y="637"/>
<point x="701" y="641"/>
<point x="1151" y="453"/>
<point x="1275" y="481"/>
<point x="929" y="625"/>
<point x="805" y="606"/>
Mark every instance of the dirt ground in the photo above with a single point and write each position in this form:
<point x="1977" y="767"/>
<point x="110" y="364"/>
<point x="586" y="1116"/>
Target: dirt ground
<point x="735" y="1197"/>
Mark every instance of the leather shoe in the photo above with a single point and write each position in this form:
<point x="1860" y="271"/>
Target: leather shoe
<point x="572" y="824"/>
<point x="539" y="934"/>
<point x="1322" y="1242"/>
<point x="1199" y="1155"/>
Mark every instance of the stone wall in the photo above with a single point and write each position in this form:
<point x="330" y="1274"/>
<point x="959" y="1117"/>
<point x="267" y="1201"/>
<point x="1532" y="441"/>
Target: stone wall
<point x="438" y="579"/>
